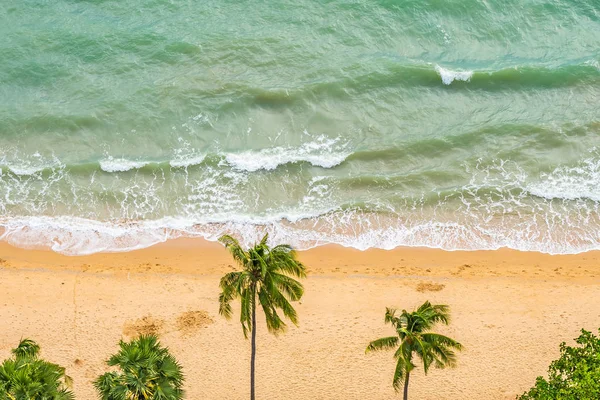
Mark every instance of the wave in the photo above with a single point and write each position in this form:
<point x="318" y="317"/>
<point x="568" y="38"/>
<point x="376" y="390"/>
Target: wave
<point x="408" y="74"/>
<point x="523" y="76"/>
<point x="322" y="152"/>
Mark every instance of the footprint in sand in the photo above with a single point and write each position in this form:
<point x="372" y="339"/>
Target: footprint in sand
<point x="191" y="321"/>
<point x="147" y="325"/>
<point x="186" y="323"/>
<point x="429" y="287"/>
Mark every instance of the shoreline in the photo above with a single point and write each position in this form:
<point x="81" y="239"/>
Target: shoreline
<point x="510" y="310"/>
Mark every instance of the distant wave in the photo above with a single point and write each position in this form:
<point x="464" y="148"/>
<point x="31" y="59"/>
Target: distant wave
<point x="408" y="74"/>
<point x="323" y="152"/>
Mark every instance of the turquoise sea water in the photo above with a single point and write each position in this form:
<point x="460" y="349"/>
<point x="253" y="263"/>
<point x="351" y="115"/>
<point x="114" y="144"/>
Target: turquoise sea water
<point x="459" y="124"/>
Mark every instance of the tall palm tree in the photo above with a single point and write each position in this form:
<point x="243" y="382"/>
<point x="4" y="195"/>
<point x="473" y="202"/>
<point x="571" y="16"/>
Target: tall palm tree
<point x="414" y="337"/>
<point x="147" y="372"/>
<point x="25" y="376"/>
<point x="267" y="276"/>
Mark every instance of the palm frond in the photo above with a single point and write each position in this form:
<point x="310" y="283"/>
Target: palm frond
<point x="27" y="348"/>
<point x="275" y="324"/>
<point x="290" y="287"/>
<point x="442" y="349"/>
<point x="231" y="285"/>
<point x="441" y="340"/>
<point x="234" y="247"/>
<point x="263" y="241"/>
<point x="399" y="373"/>
<point x="390" y="316"/>
<point x="247" y="302"/>
<point x="279" y="301"/>
<point x="284" y="260"/>
<point x="382" y="344"/>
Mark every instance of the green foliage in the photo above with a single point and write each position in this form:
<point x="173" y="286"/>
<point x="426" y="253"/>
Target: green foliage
<point x="414" y="337"/>
<point x="267" y="274"/>
<point x="147" y="371"/>
<point x="27" y="377"/>
<point x="575" y="375"/>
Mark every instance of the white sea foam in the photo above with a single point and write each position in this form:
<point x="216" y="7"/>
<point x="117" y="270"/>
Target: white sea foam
<point x="351" y="228"/>
<point x="594" y="63"/>
<point x="79" y="236"/>
<point x="494" y="209"/>
<point x="570" y="182"/>
<point x="322" y="151"/>
<point x="448" y="76"/>
<point x="24" y="170"/>
<point x="188" y="161"/>
<point x="186" y="155"/>
<point x="24" y="165"/>
<point x="111" y="164"/>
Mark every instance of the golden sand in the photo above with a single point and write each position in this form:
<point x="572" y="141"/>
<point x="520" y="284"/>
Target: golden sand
<point x="510" y="311"/>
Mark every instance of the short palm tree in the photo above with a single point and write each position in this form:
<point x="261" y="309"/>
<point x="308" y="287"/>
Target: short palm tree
<point x="414" y="337"/>
<point x="147" y="372"/>
<point x="267" y="276"/>
<point x="25" y="376"/>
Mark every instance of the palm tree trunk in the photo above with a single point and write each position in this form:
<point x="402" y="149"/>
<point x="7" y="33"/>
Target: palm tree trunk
<point x="406" y="386"/>
<point x="253" y="354"/>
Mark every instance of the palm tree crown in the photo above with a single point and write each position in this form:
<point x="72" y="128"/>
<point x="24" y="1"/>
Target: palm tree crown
<point x="414" y="336"/>
<point x="265" y="273"/>
<point x="27" y="377"/>
<point x="147" y="372"/>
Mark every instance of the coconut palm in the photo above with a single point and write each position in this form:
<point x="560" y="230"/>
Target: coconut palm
<point x="267" y="276"/>
<point x="147" y="372"/>
<point x="25" y="376"/>
<point x="414" y="337"/>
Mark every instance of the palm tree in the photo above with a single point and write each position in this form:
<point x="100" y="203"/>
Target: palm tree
<point x="414" y="336"/>
<point x="25" y="376"/>
<point x="148" y="372"/>
<point x="267" y="276"/>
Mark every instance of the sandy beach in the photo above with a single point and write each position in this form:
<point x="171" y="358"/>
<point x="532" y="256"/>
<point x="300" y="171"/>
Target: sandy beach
<point x="510" y="311"/>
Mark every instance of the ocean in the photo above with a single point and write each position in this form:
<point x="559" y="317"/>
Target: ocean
<point x="454" y="124"/>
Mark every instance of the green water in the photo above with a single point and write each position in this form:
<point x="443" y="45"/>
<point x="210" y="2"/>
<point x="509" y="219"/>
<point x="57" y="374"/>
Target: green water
<point x="456" y="124"/>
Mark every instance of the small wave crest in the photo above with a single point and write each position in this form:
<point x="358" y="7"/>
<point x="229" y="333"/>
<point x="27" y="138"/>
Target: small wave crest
<point x="448" y="76"/>
<point x="120" y="164"/>
<point x="181" y="162"/>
